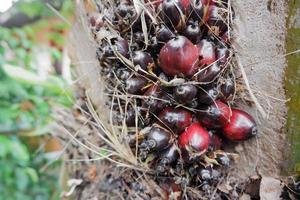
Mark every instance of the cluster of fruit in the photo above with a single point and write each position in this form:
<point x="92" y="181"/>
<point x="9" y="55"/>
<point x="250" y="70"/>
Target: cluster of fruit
<point x="169" y="64"/>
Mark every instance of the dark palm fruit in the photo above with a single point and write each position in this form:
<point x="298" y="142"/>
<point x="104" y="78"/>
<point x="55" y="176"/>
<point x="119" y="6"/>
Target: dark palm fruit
<point x="223" y="160"/>
<point x="143" y="59"/>
<point x="177" y="119"/>
<point x="175" y="12"/>
<point x="205" y="174"/>
<point x="225" y="37"/>
<point x="241" y="126"/>
<point x="227" y="89"/>
<point x="193" y="32"/>
<point x="157" y="139"/>
<point x="194" y="137"/>
<point x="135" y="85"/>
<point x="164" y="34"/>
<point x="123" y="73"/>
<point x="208" y="96"/>
<point x="130" y="116"/>
<point x="206" y="52"/>
<point x="222" y="56"/>
<point x="197" y="10"/>
<point x="185" y="93"/>
<point x="215" y="21"/>
<point x="156" y="100"/>
<point x="121" y="46"/>
<point x="209" y="74"/>
<point x="168" y="157"/>
<point x="179" y="56"/>
<point x="216" y="115"/>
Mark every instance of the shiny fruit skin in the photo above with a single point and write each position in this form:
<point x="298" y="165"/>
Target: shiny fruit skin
<point x="169" y="155"/>
<point x="179" y="56"/>
<point x="185" y="93"/>
<point x="164" y="34"/>
<point x="209" y="74"/>
<point x="241" y="126"/>
<point x="195" y="137"/>
<point x="175" y="12"/>
<point x="227" y="89"/>
<point x="197" y="10"/>
<point x="143" y="59"/>
<point x="161" y="137"/>
<point x="215" y="21"/>
<point x="122" y="47"/>
<point x="208" y="96"/>
<point x="135" y="85"/>
<point x="222" y="56"/>
<point x="193" y="32"/>
<point x="217" y="115"/>
<point x="154" y="105"/>
<point x="130" y="117"/>
<point x="177" y="119"/>
<point x="206" y="52"/>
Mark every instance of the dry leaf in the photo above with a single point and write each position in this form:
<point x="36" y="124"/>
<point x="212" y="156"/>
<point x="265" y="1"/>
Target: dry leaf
<point x="270" y="188"/>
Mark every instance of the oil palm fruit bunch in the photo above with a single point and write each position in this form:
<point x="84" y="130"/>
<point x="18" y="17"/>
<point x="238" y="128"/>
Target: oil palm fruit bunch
<point x="168" y="62"/>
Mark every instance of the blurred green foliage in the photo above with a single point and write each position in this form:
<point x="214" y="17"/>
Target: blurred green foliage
<point x="19" y="176"/>
<point x="26" y="102"/>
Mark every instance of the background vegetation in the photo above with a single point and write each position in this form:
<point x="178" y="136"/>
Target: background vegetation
<point x="27" y="96"/>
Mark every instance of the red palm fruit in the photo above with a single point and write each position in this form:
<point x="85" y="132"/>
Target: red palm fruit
<point x="177" y="119"/>
<point x="143" y="59"/>
<point x="195" y="137"/>
<point x="179" y="56"/>
<point x="193" y="32"/>
<point x="208" y="96"/>
<point x="217" y="115"/>
<point x="157" y="139"/>
<point x="157" y="99"/>
<point x="185" y="93"/>
<point x="215" y="142"/>
<point x="209" y="75"/>
<point x="170" y="190"/>
<point x="222" y="56"/>
<point x="227" y="89"/>
<point x="135" y="85"/>
<point x="206" y="52"/>
<point x="176" y="12"/>
<point x="241" y="126"/>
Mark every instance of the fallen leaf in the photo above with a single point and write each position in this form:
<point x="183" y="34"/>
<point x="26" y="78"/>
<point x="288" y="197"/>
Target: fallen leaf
<point x="270" y="188"/>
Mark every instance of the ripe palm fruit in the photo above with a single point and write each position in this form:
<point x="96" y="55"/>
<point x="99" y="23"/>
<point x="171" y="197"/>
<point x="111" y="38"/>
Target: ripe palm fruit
<point x="208" y="96"/>
<point x="195" y="137"/>
<point x="185" y="93"/>
<point x="156" y="101"/>
<point x="217" y="115"/>
<point x="227" y="89"/>
<point x="209" y="74"/>
<point x="177" y="119"/>
<point x="163" y="33"/>
<point x="241" y="126"/>
<point x="156" y="140"/>
<point x="179" y="56"/>
<point x="206" y="52"/>
<point x="193" y="31"/>
<point x="135" y="85"/>
<point x="176" y="12"/>
<point x="143" y="59"/>
<point x="167" y="157"/>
